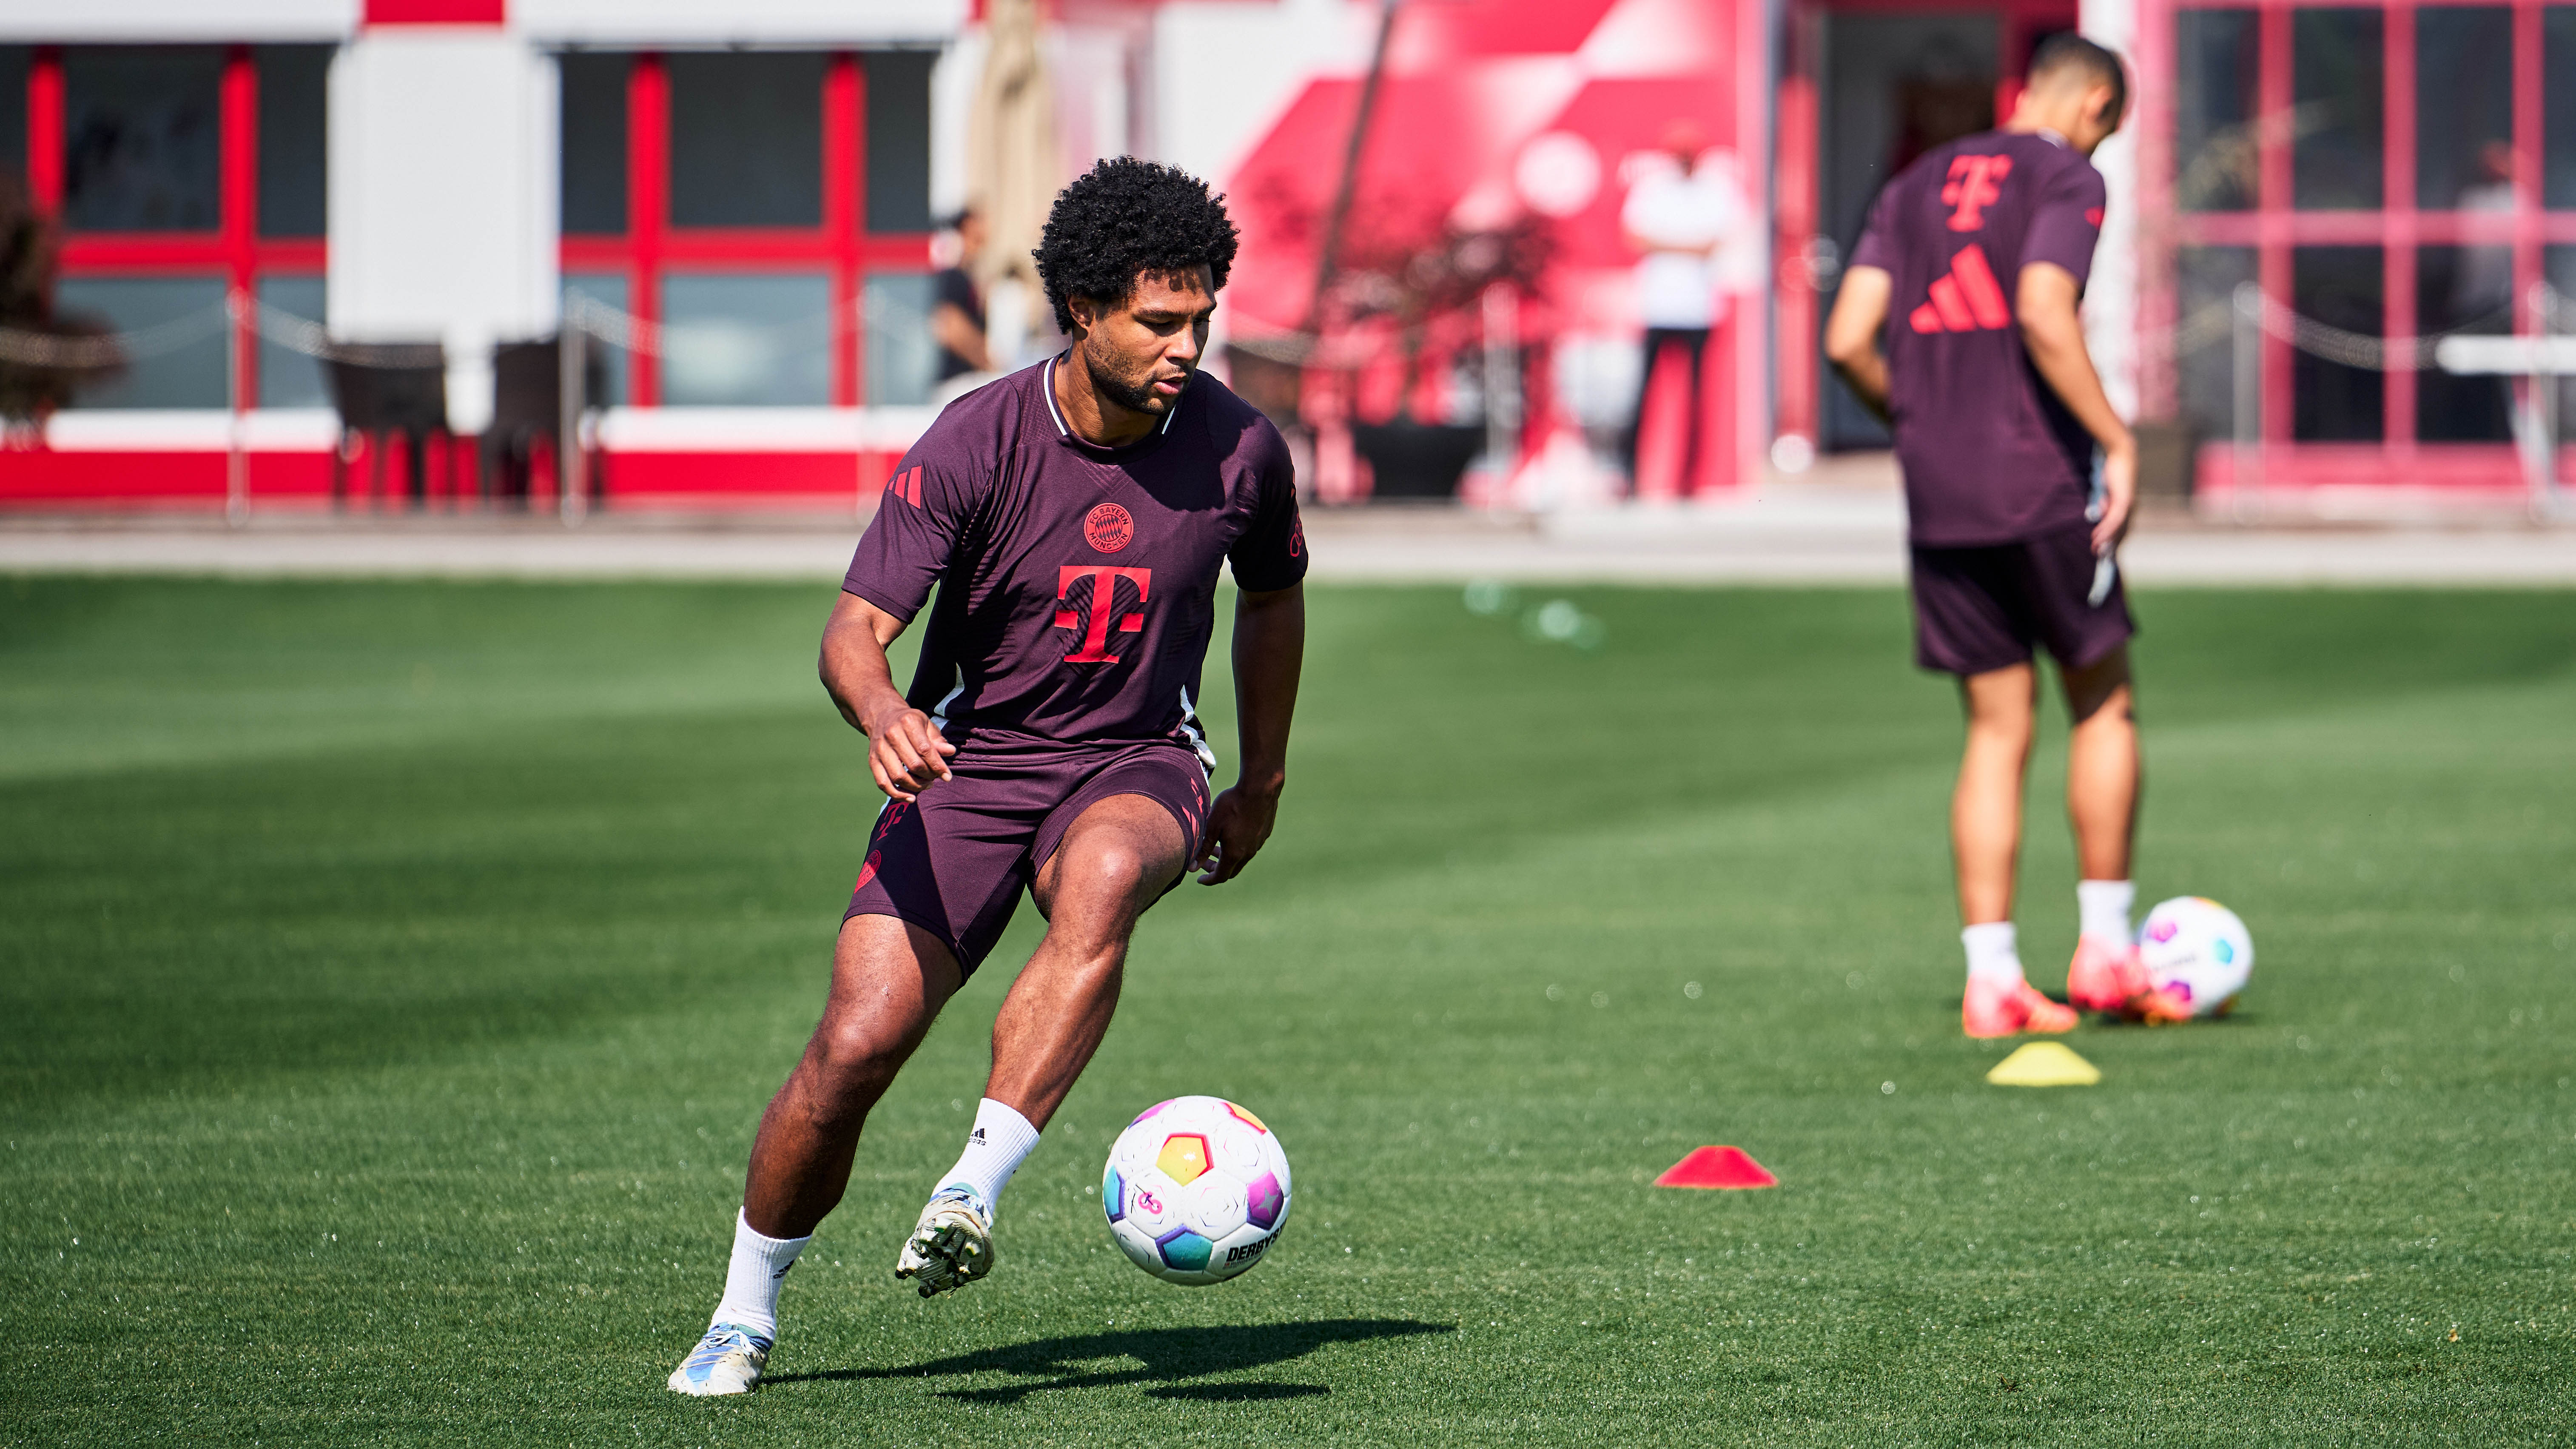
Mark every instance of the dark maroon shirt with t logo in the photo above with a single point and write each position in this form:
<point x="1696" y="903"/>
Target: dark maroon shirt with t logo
<point x="1990" y="455"/>
<point x="1077" y="584"/>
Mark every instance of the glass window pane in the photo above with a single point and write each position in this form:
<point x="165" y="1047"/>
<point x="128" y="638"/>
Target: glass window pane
<point x="2340" y="287"/>
<point x="739" y="340"/>
<point x="2464" y="121"/>
<point x="594" y="142"/>
<point x="181" y="367"/>
<point x="2339" y="82"/>
<point x="288" y="378"/>
<point x="608" y="287"/>
<point x="2462" y="289"/>
<point x="746" y="140"/>
<point x="903" y="358"/>
<point x="2206" y="279"/>
<point x="2214" y="106"/>
<point x="140" y="138"/>
<point x="2558" y="104"/>
<point x="898" y="150"/>
<point x="13" y="114"/>
<point x="294" y="154"/>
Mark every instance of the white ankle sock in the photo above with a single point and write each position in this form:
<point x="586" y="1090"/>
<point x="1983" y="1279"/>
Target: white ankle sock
<point x="1992" y="953"/>
<point x="2104" y="906"/>
<point x="759" y="1265"/>
<point x="1001" y="1141"/>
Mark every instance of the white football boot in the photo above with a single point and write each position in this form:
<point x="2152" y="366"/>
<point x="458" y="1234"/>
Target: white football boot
<point x="727" y="1361"/>
<point x="951" y="1245"/>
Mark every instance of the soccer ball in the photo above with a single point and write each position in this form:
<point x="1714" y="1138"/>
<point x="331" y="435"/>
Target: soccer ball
<point x="2196" y="950"/>
<point x="1196" y="1190"/>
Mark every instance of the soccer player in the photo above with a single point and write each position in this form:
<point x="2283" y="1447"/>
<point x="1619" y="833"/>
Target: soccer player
<point x="1973" y="261"/>
<point x="1074" y="516"/>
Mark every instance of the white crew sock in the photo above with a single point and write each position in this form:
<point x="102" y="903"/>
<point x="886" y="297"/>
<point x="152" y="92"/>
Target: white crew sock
<point x="2104" y="905"/>
<point x="759" y="1265"/>
<point x="1001" y="1141"/>
<point x="1992" y="953"/>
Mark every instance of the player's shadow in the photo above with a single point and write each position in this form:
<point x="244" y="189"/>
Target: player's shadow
<point x="1166" y="1355"/>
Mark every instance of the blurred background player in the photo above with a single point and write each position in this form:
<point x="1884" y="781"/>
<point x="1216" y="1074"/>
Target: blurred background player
<point x="1973" y="262"/>
<point x="957" y="313"/>
<point x="1074" y="517"/>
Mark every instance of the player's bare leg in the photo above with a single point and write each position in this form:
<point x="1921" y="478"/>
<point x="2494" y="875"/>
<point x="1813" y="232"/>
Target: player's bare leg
<point x="1116" y="859"/>
<point x="2102" y="773"/>
<point x="1985" y="808"/>
<point x="2102" y="786"/>
<point x="1985" y="843"/>
<point x="889" y="980"/>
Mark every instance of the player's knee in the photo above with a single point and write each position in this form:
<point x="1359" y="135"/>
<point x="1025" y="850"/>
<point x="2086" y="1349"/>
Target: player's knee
<point x="853" y="1058"/>
<point x="1106" y="872"/>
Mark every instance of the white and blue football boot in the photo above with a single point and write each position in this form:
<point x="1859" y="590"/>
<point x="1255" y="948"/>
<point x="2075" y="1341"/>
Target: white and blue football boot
<point x="727" y="1361"/>
<point x="951" y="1245"/>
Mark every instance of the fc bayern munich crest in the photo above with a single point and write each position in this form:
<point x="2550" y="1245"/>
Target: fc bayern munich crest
<point x="1109" y="528"/>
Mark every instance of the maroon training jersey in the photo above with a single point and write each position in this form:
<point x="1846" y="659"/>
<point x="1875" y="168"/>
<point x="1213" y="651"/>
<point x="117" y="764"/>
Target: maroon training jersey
<point x="1989" y="453"/>
<point x="1077" y="584"/>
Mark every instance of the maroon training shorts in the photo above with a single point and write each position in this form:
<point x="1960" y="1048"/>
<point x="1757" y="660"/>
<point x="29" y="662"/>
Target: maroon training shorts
<point x="1983" y="608"/>
<point x="955" y="860"/>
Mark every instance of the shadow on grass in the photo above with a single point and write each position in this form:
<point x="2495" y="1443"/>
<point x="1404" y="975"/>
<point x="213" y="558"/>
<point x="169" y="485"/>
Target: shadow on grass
<point x="1167" y="1355"/>
<point x="1235" y="1393"/>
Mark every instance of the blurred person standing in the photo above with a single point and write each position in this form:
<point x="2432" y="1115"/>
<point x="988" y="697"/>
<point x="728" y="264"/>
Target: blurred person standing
<point x="1973" y="261"/>
<point x="957" y="313"/>
<point x="1680" y="218"/>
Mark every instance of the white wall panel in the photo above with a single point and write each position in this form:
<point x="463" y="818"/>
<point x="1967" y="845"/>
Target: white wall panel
<point x="443" y="197"/>
<point x="728" y="22"/>
<point x="1225" y="71"/>
<point x="2111" y="296"/>
<point x="178" y="20"/>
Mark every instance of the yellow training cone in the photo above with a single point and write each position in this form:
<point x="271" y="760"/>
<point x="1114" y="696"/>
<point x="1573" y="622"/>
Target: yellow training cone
<point x="2044" y="1064"/>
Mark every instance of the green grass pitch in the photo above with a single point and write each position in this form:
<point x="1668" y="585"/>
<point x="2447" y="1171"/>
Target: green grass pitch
<point x="392" y="975"/>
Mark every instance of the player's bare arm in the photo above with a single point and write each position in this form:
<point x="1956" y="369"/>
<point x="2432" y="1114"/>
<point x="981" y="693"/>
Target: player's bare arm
<point x="906" y="753"/>
<point x="2053" y="334"/>
<point x="951" y="328"/>
<point x="1851" y="335"/>
<point x="1269" y="652"/>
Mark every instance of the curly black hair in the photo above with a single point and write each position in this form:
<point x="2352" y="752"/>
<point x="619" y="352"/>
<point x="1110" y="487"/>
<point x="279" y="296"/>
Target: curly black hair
<point x="1126" y="217"/>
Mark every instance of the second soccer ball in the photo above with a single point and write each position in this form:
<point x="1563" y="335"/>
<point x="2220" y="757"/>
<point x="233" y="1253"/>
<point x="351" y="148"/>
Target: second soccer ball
<point x="1196" y="1190"/>
<point x="2197" y="950"/>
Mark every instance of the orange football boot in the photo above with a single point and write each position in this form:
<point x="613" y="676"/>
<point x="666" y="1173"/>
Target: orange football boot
<point x="2160" y="1008"/>
<point x="1994" y="1009"/>
<point x="2104" y="977"/>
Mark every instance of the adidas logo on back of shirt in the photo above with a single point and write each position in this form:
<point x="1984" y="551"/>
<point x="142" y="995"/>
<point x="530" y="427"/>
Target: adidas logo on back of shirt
<point x="1968" y="299"/>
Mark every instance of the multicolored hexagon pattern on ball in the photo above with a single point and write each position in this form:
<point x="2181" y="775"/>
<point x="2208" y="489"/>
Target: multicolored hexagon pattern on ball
<point x="2197" y="951"/>
<point x="1196" y="1190"/>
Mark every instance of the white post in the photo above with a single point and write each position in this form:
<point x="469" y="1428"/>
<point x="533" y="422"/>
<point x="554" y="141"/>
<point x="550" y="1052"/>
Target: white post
<point x="2541" y="448"/>
<point x="572" y="463"/>
<point x="236" y="460"/>
<point x="1502" y="326"/>
<point x="2247" y="397"/>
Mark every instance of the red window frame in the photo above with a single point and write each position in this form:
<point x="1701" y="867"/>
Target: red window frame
<point x="2275" y="228"/>
<point x="234" y="250"/>
<point x="651" y="248"/>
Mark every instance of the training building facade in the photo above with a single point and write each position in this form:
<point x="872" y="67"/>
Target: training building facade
<point x="743" y="197"/>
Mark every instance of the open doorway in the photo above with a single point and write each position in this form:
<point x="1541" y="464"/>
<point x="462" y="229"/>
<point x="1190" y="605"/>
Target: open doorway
<point x="1893" y="81"/>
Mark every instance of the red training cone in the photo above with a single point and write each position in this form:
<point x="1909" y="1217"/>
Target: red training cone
<point x="1717" y="1167"/>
